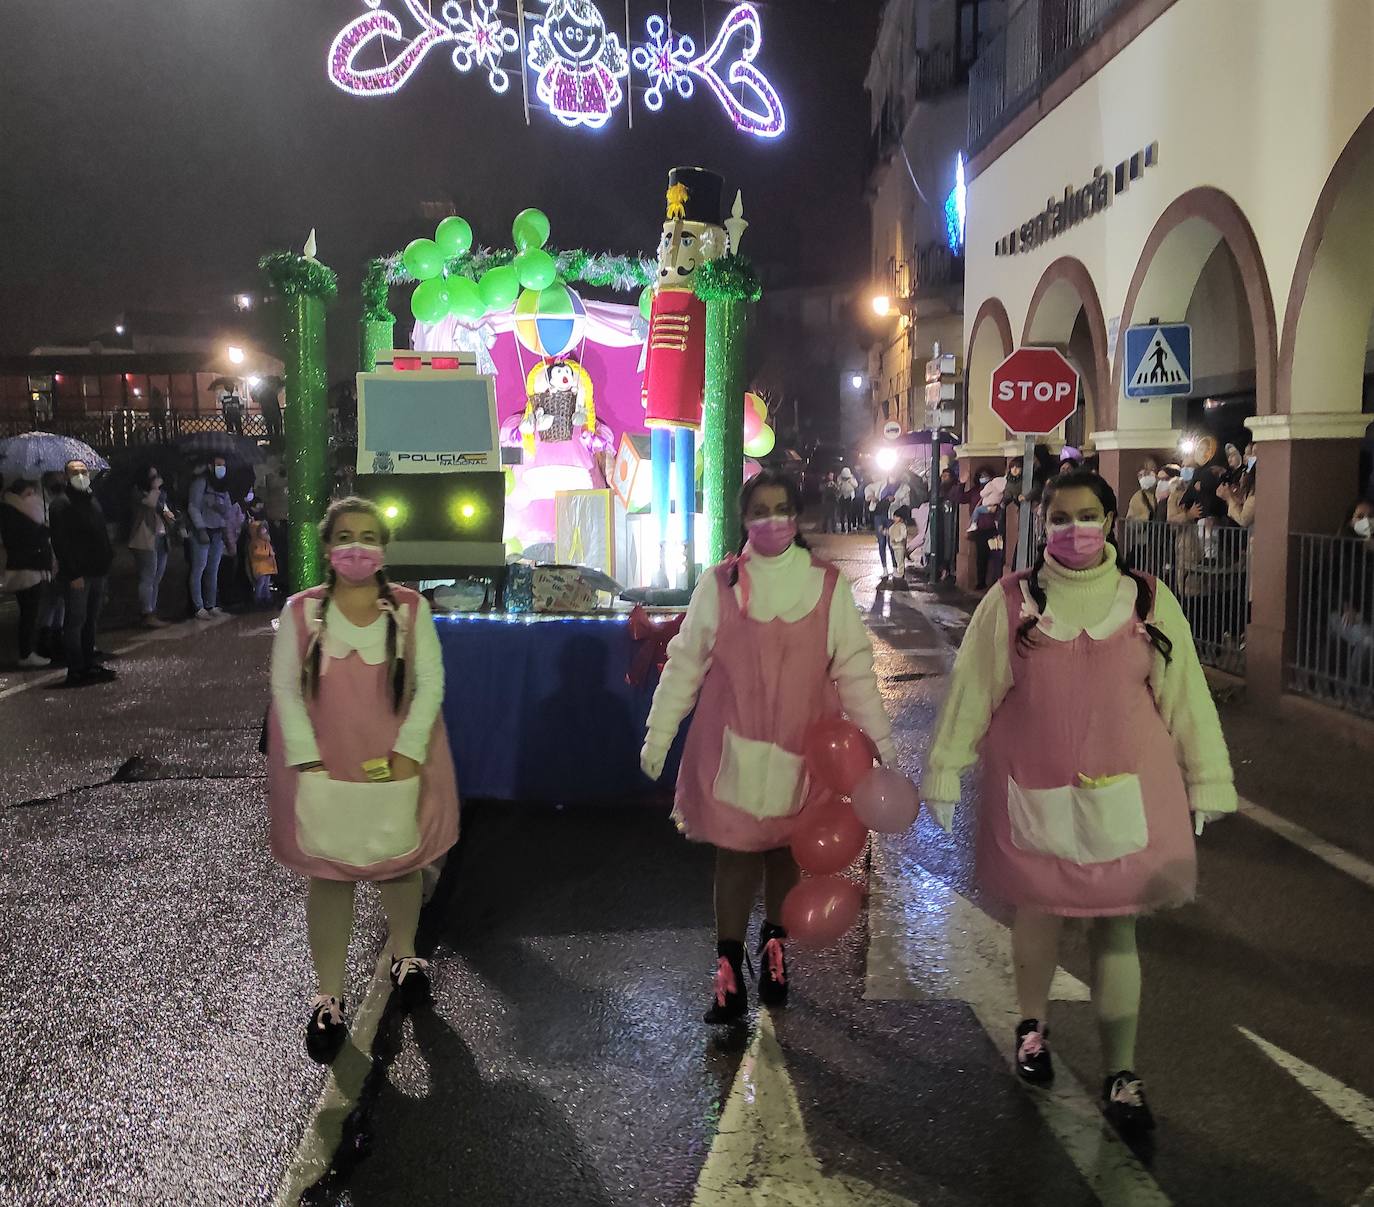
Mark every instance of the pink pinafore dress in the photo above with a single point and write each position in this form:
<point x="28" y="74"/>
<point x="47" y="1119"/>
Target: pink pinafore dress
<point x="1084" y="809"/>
<point x="354" y="723"/>
<point x="743" y="783"/>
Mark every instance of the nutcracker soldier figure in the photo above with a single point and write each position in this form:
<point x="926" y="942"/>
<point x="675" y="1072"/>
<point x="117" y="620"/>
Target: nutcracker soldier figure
<point x="675" y="369"/>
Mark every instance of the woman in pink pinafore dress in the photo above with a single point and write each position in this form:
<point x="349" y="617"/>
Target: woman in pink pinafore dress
<point x="772" y="643"/>
<point x="1078" y="687"/>
<point x="360" y="779"/>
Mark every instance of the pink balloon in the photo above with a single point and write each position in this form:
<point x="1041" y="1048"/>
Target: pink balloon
<point x="753" y="425"/>
<point x="838" y="754"/>
<point x="820" y="909"/>
<point x="828" y="838"/>
<point x="886" y="801"/>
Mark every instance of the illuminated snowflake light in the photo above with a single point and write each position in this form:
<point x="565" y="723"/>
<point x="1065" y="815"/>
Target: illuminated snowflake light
<point x="956" y="209"/>
<point x="667" y="63"/>
<point x="483" y="40"/>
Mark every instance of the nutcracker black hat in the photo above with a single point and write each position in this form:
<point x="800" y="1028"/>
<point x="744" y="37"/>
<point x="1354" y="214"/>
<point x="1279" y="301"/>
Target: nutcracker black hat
<point x="694" y="195"/>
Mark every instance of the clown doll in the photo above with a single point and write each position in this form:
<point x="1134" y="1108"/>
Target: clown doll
<point x="675" y="368"/>
<point x="562" y="445"/>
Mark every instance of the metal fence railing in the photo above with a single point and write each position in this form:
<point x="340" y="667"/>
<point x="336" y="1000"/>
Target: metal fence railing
<point x="1333" y="653"/>
<point x="1040" y="39"/>
<point x="1207" y="566"/>
<point x="134" y="429"/>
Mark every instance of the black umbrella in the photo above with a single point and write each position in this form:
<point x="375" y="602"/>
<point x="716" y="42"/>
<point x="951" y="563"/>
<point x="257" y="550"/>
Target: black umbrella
<point x="236" y="450"/>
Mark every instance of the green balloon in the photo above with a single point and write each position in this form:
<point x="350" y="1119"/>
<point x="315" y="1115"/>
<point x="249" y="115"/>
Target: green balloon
<point x="536" y="268"/>
<point x="423" y="259"/>
<point x="453" y="236"/>
<point x="465" y="299"/>
<point x="500" y="287"/>
<point x="530" y="229"/>
<point x="762" y="444"/>
<point x="430" y="301"/>
<point x="646" y="300"/>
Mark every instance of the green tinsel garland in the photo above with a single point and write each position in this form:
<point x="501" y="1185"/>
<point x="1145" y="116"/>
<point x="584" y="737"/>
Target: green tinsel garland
<point x="374" y="293"/>
<point x="731" y="278"/>
<point x="292" y="275"/>
<point x="600" y="270"/>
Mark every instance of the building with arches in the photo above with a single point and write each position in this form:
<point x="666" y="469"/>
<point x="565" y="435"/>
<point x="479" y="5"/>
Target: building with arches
<point x="1192" y="161"/>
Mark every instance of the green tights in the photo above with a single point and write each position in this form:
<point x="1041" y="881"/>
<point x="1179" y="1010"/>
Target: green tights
<point x="329" y="919"/>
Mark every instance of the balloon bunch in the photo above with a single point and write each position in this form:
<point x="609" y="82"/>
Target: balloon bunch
<point x="833" y="833"/>
<point x="441" y="293"/>
<point x="758" y="436"/>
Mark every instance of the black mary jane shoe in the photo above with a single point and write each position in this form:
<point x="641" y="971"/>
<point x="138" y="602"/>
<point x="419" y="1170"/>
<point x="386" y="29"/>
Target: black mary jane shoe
<point x="1033" y="1063"/>
<point x="729" y="998"/>
<point x="326" y="1031"/>
<point x="1124" y="1105"/>
<point x="410" y="980"/>
<point x="772" y="965"/>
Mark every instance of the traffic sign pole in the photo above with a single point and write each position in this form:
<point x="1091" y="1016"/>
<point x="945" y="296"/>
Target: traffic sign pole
<point x="1024" y="551"/>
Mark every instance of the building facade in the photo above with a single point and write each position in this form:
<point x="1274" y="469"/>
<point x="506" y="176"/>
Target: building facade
<point x="1201" y="162"/>
<point x="917" y="82"/>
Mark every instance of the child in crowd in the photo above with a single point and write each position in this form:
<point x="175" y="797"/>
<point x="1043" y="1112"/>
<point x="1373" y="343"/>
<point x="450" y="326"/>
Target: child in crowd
<point x="262" y="558"/>
<point x="1078" y="688"/>
<point x="360" y="779"/>
<point x="772" y="643"/>
<point x="898" y="533"/>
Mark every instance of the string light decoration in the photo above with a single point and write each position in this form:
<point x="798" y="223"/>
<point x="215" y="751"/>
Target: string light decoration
<point x="577" y="61"/>
<point x="483" y="40"/>
<point x="664" y="59"/>
<point x="956" y="209"/>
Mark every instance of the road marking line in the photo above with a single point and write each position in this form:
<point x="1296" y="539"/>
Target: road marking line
<point x="936" y="934"/>
<point x="760" y="1153"/>
<point x="320" y="1141"/>
<point x="1327" y="852"/>
<point x="1343" y="1101"/>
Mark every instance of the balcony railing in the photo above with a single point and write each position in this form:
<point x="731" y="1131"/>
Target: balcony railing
<point x="134" y="429"/>
<point x="1041" y="38"/>
<point x="937" y="268"/>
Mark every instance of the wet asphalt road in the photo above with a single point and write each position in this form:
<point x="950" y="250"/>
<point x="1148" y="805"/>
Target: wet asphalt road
<point x="156" y="972"/>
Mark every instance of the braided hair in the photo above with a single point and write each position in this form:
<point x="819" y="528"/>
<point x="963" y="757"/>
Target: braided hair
<point x="1144" y="596"/>
<point x="395" y="656"/>
<point x="766" y="477"/>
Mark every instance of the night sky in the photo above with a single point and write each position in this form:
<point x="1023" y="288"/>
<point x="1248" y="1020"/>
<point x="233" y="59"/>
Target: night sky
<point x="151" y="150"/>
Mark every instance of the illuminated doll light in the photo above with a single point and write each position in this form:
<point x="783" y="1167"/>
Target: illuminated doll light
<point x="579" y="63"/>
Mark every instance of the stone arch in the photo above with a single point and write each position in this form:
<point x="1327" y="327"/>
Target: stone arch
<point x="990" y="342"/>
<point x="1327" y="321"/>
<point x="1182" y="242"/>
<point x="1065" y="311"/>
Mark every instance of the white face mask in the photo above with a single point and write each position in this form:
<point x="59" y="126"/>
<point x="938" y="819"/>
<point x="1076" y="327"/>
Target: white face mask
<point x="81" y="482"/>
<point x="1363" y="526"/>
<point x="1148" y="481"/>
<point x="219" y="471"/>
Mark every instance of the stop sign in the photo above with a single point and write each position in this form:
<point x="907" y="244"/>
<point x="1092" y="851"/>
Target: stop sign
<point x="1034" y="390"/>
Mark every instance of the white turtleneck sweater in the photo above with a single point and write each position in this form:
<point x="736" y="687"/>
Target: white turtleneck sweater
<point x="788" y="587"/>
<point x="1098" y="601"/>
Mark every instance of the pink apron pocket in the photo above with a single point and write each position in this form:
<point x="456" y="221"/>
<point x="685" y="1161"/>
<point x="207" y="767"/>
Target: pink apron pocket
<point x="1083" y="824"/>
<point x="357" y="824"/>
<point x="759" y="778"/>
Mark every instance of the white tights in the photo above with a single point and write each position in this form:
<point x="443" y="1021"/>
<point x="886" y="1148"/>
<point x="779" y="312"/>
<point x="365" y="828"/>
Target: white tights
<point x="1115" y="976"/>
<point x="329" y="920"/>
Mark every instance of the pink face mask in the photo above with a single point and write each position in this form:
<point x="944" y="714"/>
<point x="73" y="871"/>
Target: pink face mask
<point x="356" y="563"/>
<point x="772" y="536"/>
<point x="1078" y="546"/>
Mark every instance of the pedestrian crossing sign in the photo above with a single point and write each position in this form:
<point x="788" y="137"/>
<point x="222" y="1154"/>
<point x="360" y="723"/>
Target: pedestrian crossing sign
<point x="1159" y="360"/>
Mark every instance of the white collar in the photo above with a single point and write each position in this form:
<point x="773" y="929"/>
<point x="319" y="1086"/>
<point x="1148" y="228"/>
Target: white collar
<point x="1118" y="615"/>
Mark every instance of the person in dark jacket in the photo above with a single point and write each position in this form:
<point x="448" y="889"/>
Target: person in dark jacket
<point x="28" y="562"/>
<point x="81" y="542"/>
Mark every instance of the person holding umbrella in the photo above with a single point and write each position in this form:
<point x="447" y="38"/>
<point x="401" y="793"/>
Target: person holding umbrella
<point x="28" y="562"/>
<point x="207" y="509"/>
<point x="81" y="542"/>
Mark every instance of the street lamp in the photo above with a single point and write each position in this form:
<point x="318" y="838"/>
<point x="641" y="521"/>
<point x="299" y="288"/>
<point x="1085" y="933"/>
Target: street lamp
<point x="119" y="328"/>
<point x="244" y="301"/>
<point x="882" y="305"/>
<point x="236" y="355"/>
<point x="254" y="381"/>
<point x="857" y="381"/>
<point x="886" y="459"/>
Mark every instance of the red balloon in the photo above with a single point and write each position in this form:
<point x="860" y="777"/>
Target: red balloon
<point x="886" y="801"/>
<point x="838" y="754"/>
<point x="753" y="425"/>
<point x="820" y="909"/>
<point x="828" y="838"/>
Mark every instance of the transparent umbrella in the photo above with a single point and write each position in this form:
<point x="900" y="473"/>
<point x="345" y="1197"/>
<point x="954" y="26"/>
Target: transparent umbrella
<point x="31" y="455"/>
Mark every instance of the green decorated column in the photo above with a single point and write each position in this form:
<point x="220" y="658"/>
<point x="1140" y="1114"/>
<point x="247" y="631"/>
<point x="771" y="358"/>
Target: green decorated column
<point x="727" y="286"/>
<point x="377" y="331"/>
<point x="304" y="286"/>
